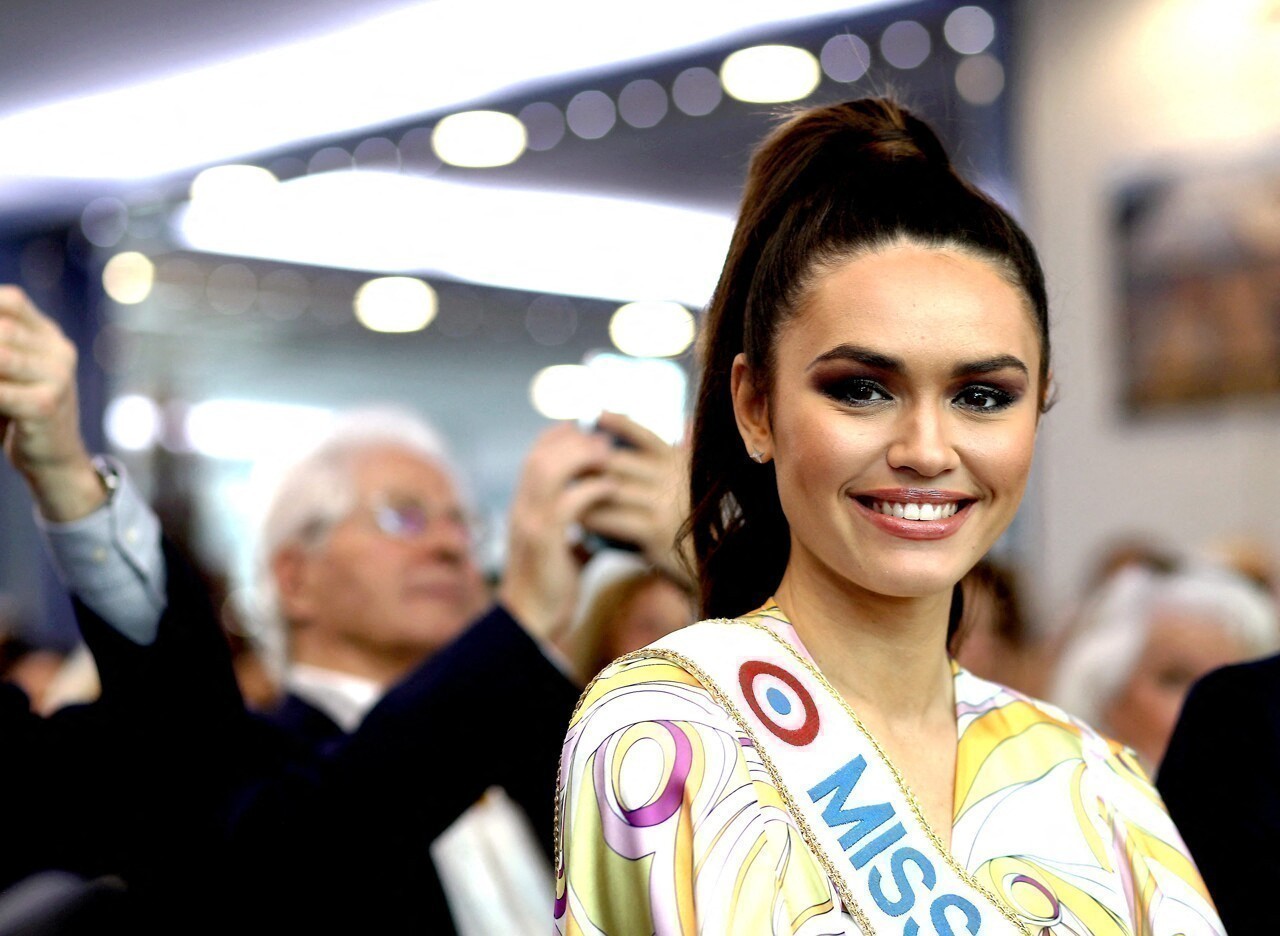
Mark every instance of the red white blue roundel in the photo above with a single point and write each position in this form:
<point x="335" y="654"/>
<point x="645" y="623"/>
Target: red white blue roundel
<point x="779" y="700"/>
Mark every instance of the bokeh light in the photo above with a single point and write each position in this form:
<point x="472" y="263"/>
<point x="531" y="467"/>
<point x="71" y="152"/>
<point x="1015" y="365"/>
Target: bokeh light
<point x="180" y="283"/>
<point x="132" y="422"/>
<point x="377" y="153"/>
<point x="551" y="320"/>
<point x="565" y="391"/>
<point x="770" y="74"/>
<point x="128" y="277"/>
<point x="697" y="91"/>
<point x="479" y="139"/>
<point x="395" y="304"/>
<point x="980" y="79"/>
<point x="544" y="124"/>
<point x="284" y="295"/>
<point x="329" y="159"/>
<point x="905" y="44"/>
<point x="104" y="221"/>
<point x="652" y="329"/>
<point x="232" y="288"/>
<point x="845" y="58"/>
<point x="643" y="103"/>
<point x="416" y="153"/>
<point x="591" y="114"/>
<point x="969" y="29"/>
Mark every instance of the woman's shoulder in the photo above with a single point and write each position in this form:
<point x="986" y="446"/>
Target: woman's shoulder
<point x="984" y="704"/>
<point x="655" y="683"/>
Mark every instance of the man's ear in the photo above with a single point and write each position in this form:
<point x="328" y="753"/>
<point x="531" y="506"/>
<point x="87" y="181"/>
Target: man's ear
<point x="291" y="569"/>
<point x="751" y="410"/>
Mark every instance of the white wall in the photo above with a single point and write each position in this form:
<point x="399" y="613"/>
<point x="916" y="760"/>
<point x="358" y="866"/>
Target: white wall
<point x="1106" y="89"/>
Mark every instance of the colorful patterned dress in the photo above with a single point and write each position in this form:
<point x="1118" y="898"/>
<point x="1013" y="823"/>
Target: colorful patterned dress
<point x="671" y="820"/>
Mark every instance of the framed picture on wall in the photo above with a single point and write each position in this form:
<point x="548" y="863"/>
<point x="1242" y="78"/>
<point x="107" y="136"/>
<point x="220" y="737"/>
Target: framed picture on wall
<point x="1199" y="262"/>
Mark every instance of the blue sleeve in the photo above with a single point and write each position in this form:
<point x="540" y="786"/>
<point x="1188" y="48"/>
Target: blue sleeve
<point x="112" y="561"/>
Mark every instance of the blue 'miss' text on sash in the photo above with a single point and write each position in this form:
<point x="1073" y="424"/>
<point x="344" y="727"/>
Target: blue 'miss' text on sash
<point x="873" y="830"/>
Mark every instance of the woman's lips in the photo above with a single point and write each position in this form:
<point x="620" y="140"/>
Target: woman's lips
<point x="915" y="514"/>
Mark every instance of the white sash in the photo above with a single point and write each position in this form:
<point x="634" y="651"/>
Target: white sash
<point x="849" y="802"/>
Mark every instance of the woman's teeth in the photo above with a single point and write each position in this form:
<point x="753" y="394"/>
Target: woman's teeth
<point x="914" y="511"/>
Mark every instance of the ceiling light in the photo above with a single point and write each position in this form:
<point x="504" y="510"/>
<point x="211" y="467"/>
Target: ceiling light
<point x="643" y="103"/>
<point x="980" y="79"/>
<point x="529" y="239"/>
<point x="565" y="391"/>
<point x="845" y="58"/>
<point x="591" y="114"/>
<point x="770" y="74"/>
<point x="132" y="422"/>
<point x="253" y="430"/>
<point x="424" y="58"/>
<point x="128" y="277"/>
<point x="233" y="182"/>
<point x="479" y="139"/>
<point x="651" y="391"/>
<point x="104" y="221"/>
<point x="697" y="91"/>
<point x="544" y="123"/>
<point x="652" y="329"/>
<point x="395" y="304"/>
<point x="969" y="29"/>
<point x="905" y="44"/>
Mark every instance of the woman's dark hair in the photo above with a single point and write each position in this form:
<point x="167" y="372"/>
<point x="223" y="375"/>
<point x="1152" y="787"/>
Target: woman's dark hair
<point x="828" y="184"/>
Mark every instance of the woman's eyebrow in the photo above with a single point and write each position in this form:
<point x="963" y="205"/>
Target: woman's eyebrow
<point x="848" y="352"/>
<point x="988" y="365"/>
<point x="883" y="362"/>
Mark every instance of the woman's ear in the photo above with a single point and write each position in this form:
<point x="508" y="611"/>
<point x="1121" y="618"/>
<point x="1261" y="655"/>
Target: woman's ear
<point x="751" y="410"/>
<point x="1048" y="395"/>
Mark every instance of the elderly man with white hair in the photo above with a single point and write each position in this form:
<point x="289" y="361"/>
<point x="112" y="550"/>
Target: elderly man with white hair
<point x="1146" y="636"/>
<point x="398" y="713"/>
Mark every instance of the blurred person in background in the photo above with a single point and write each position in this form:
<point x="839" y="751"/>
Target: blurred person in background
<point x="98" y="790"/>
<point x="29" y="666"/>
<point x="368" y="560"/>
<point x="1146" y="636"/>
<point x="994" y="639"/>
<point x="627" y="603"/>
<point x="1221" y="781"/>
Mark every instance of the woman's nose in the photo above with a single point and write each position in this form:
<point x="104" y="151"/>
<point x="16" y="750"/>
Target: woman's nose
<point x="922" y="443"/>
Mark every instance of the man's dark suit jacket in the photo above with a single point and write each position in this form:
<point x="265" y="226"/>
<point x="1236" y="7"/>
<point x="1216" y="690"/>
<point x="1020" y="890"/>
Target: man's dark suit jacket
<point x="1221" y="782"/>
<point x="422" y="756"/>
<point x="220" y="822"/>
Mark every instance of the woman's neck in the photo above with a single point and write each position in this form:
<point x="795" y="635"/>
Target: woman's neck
<point x="886" y="656"/>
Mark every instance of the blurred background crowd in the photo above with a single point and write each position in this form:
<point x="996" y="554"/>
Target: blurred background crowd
<point x="350" y="286"/>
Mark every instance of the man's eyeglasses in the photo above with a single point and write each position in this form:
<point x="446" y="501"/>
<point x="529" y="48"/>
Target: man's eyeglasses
<point x="407" y="519"/>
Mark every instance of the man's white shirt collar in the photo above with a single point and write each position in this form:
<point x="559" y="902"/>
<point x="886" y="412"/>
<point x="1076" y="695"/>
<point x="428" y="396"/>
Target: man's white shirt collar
<point x="345" y="698"/>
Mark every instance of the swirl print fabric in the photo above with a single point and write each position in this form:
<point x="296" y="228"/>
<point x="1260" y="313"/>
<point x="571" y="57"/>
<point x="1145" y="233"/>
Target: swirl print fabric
<point x="669" y="822"/>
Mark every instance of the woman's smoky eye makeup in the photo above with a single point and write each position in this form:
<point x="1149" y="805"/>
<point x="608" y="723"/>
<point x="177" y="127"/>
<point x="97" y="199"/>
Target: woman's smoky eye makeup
<point x="851" y="390"/>
<point x="858" y="388"/>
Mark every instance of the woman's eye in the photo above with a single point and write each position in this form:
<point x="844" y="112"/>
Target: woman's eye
<point x="983" y="398"/>
<point x="856" y="392"/>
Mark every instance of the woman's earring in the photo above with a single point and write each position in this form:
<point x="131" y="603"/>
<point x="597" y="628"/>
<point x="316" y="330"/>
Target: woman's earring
<point x="757" y="456"/>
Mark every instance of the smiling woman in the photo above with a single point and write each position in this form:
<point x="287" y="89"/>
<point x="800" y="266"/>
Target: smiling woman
<point x="875" y="366"/>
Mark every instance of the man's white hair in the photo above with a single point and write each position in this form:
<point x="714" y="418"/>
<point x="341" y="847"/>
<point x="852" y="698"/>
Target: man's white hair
<point x="317" y="491"/>
<point x="1108" y="639"/>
